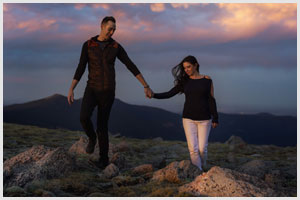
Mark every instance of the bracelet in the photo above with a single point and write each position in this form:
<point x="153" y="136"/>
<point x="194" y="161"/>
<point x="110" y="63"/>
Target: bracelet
<point x="146" y="86"/>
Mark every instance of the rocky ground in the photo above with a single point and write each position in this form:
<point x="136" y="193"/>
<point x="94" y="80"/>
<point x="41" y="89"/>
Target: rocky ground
<point x="45" y="162"/>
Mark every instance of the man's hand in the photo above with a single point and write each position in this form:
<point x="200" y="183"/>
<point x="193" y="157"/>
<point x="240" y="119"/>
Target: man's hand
<point x="148" y="92"/>
<point x="71" y="97"/>
<point x="71" y="93"/>
<point x="214" y="124"/>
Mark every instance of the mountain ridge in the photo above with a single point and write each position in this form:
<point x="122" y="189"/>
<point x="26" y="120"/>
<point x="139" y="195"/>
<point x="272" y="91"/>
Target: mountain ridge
<point x="148" y="122"/>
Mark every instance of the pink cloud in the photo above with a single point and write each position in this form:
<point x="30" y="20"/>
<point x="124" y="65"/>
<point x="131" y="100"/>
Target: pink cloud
<point x="35" y="25"/>
<point x="38" y="23"/>
<point x="239" y="21"/>
<point x="5" y="8"/>
<point x="230" y="22"/>
<point x="79" y="6"/>
<point x="243" y="21"/>
<point x="157" y="7"/>
<point x="181" y="5"/>
<point x="105" y="6"/>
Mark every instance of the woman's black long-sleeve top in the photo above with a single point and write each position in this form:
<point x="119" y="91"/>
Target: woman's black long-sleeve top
<point x="199" y="103"/>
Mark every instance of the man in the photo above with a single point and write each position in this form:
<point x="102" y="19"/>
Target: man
<point x="100" y="52"/>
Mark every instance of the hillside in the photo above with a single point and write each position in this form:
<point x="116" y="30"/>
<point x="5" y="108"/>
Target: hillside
<point x="273" y="167"/>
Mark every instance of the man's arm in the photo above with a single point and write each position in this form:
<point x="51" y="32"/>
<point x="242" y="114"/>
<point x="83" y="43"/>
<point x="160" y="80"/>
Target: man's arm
<point x="123" y="57"/>
<point x="79" y="72"/>
<point x="147" y="89"/>
<point x="71" y="93"/>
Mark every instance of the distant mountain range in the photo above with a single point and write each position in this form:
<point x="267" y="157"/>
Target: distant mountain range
<point x="149" y="122"/>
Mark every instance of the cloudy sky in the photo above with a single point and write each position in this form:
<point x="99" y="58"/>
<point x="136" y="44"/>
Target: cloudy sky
<point x="249" y="50"/>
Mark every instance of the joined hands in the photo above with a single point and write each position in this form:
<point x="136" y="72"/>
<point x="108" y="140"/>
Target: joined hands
<point x="148" y="92"/>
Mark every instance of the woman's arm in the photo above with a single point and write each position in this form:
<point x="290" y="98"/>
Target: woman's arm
<point x="213" y="105"/>
<point x="165" y="95"/>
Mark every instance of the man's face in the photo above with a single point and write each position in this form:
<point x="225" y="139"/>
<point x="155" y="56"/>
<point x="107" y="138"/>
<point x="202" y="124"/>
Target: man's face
<point x="108" y="29"/>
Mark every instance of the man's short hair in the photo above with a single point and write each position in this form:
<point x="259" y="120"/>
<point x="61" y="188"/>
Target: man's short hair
<point x="108" y="18"/>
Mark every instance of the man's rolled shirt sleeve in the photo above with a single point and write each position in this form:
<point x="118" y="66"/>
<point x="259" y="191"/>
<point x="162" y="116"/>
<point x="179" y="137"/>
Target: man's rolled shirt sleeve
<point x="123" y="57"/>
<point x="82" y="62"/>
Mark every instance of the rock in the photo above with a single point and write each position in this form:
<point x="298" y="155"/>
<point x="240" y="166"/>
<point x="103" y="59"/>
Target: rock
<point x="80" y="146"/>
<point x="231" y="157"/>
<point x="32" y="186"/>
<point x="235" y="142"/>
<point x="121" y="147"/>
<point x="256" y="168"/>
<point x="127" y="180"/>
<point x="147" y="176"/>
<point x="142" y="169"/>
<point x="159" y="162"/>
<point x="111" y="171"/>
<point x="37" y="163"/>
<point x="14" y="191"/>
<point x="221" y="182"/>
<point x="177" y="172"/>
<point x="274" y="178"/>
<point x="119" y="160"/>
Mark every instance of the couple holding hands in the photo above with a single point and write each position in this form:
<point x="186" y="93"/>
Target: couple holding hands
<point x="100" y="52"/>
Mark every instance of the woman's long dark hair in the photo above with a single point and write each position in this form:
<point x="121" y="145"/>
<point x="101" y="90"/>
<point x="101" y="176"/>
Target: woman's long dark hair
<point x="178" y="71"/>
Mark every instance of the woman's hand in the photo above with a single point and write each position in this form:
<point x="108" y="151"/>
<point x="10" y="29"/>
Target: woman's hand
<point x="214" y="124"/>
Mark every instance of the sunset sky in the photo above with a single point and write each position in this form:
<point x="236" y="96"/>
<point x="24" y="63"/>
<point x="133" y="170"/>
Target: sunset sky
<point x="249" y="50"/>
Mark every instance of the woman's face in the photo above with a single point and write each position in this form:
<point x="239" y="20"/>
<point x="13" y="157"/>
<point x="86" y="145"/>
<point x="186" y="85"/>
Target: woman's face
<point x="189" y="68"/>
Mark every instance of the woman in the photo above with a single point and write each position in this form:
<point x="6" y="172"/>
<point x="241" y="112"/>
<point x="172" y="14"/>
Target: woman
<point x="199" y="106"/>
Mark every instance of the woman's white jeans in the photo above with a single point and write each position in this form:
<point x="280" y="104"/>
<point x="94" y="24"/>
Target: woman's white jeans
<point x="197" y="133"/>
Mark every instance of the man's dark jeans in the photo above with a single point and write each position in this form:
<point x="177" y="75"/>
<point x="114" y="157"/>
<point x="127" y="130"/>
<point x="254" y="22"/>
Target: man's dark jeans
<point x="104" y="100"/>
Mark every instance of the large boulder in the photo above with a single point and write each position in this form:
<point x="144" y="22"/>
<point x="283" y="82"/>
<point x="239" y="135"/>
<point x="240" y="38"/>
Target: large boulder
<point x="142" y="169"/>
<point x="221" y="182"/>
<point x="37" y="163"/>
<point x="256" y="168"/>
<point x="235" y="142"/>
<point x="177" y="172"/>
